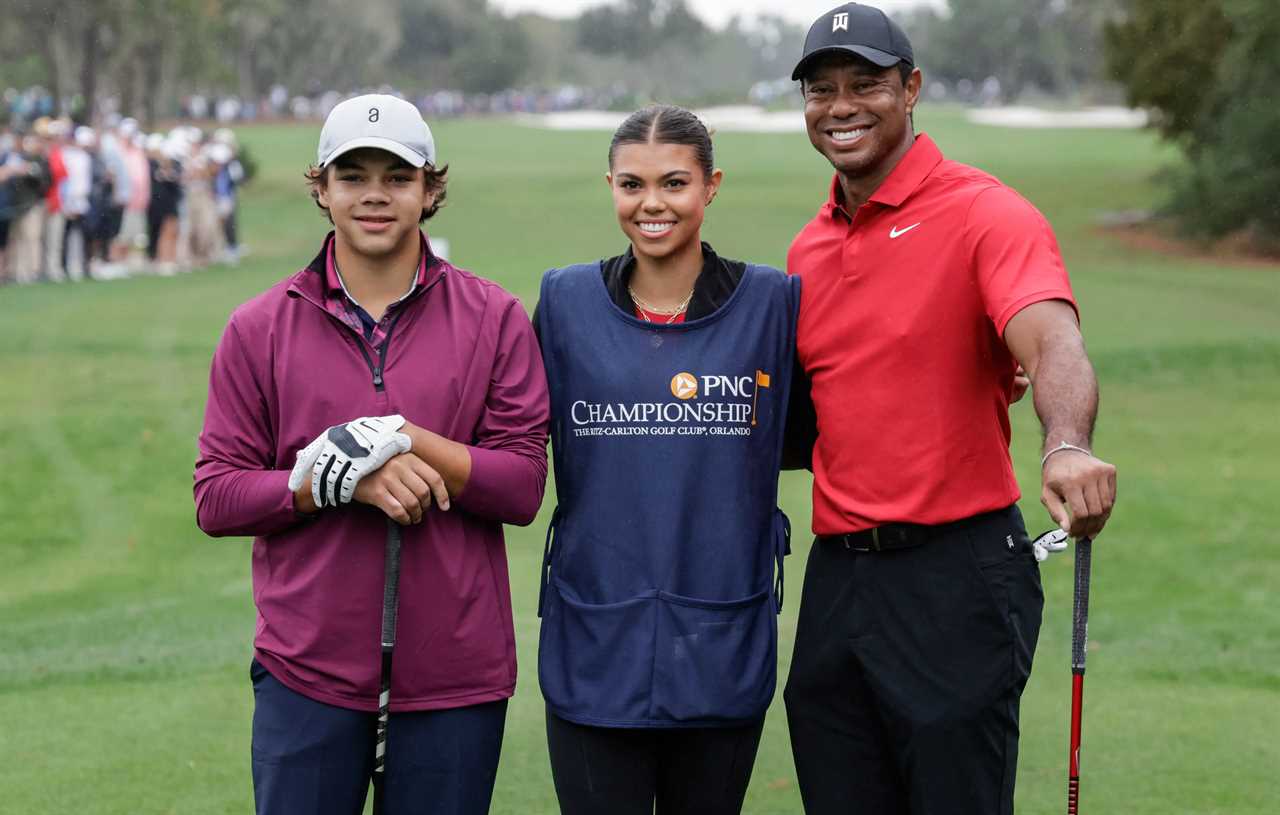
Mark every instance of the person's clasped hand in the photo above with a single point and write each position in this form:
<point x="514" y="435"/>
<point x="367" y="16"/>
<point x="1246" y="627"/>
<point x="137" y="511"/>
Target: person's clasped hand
<point x="345" y="453"/>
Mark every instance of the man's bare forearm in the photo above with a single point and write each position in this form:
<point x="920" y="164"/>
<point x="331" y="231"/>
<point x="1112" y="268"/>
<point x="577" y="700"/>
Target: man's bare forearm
<point x="1065" y="392"/>
<point x="1077" y="488"/>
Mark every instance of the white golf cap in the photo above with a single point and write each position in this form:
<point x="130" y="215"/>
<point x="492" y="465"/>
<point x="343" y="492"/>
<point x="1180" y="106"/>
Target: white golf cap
<point x="377" y="120"/>
<point x="219" y="153"/>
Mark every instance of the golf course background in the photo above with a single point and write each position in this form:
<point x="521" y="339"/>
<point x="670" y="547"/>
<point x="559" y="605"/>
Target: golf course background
<point x="125" y="632"/>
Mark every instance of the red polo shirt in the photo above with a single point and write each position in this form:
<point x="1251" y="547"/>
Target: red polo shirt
<point x="901" y="316"/>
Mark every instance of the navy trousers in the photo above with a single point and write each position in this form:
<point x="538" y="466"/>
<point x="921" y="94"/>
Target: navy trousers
<point x="317" y="759"/>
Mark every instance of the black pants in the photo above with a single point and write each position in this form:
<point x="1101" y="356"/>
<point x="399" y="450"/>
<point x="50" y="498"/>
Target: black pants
<point x="907" y="671"/>
<point x="155" y="221"/>
<point x="80" y="224"/>
<point x="105" y="226"/>
<point x="617" y="771"/>
<point x="229" y="228"/>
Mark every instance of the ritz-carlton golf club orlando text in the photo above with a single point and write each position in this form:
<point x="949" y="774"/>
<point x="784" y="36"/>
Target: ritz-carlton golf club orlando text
<point x="709" y="405"/>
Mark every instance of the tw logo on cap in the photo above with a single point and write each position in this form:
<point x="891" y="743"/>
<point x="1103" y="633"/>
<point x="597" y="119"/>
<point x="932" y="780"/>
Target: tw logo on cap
<point x="840" y="22"/>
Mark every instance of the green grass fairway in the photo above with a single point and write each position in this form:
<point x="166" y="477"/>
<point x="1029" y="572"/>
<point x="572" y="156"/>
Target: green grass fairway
<point x="125" y="632"/>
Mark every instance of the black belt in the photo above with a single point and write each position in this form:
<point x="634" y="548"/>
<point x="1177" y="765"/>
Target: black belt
<point x="885" y="538"/>
<point x="888" y="537"/>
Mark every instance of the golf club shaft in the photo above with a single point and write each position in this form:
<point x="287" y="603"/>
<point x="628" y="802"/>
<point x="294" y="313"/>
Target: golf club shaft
<point x="1073" y="778"/>
<point x="390" y="603"/>
<point x="1079" y="649"/>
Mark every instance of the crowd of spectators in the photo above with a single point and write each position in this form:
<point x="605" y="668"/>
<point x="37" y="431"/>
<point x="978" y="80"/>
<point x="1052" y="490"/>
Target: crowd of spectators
<point x="83" y="203"/>
<point x="78" y="202"/>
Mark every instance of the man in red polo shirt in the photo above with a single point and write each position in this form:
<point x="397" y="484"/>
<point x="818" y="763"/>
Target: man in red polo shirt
<point x="926" y="283"/>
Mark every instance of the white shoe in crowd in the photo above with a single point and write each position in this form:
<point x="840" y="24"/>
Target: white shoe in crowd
<point x="110" y="271"/>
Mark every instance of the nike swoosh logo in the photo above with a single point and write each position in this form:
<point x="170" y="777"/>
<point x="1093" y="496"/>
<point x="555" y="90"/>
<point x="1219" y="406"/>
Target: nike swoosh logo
<point x="895" y="232"/>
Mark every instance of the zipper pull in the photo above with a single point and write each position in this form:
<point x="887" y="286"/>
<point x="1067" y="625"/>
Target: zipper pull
<point x="377" y="377"/>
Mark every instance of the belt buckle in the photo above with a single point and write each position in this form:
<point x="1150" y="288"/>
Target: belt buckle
<point x="875" y="541"/>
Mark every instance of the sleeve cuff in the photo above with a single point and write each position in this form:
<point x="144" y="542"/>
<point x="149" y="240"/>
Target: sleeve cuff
<point x="1030" y="299"/>
<point x="496" y="488"/>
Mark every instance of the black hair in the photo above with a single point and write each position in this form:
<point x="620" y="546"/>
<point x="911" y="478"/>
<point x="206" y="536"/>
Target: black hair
<point x="904" y="68"/>
<point x="666" y="124"/>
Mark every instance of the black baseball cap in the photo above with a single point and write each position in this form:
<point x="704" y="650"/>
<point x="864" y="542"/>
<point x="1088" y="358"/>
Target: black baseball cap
<point x="855" y="29"/>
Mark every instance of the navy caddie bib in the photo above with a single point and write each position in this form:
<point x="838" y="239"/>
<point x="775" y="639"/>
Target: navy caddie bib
<point x="659" y="593"/>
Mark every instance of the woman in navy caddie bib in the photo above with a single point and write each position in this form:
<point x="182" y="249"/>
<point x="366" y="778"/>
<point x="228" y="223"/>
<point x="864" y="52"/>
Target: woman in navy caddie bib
<point x="669" y="370"/>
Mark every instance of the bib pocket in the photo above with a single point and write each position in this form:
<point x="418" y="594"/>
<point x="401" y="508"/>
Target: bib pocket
<point x="597" y="657"/>
<point x="716" y="660"/>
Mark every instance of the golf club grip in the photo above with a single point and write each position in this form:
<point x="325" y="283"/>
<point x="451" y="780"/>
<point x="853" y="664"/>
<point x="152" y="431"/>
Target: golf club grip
<point x="391" y="585"/>
<point x="1080" y="607"/>
<point x="1073" y="796"/>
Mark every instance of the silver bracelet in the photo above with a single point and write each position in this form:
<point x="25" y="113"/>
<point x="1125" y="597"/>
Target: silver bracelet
<point x="1063" y="446"/>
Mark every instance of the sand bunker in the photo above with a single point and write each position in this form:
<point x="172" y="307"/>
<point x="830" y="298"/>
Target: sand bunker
<point x="1106" y="117"/>
<point x="752" y="119"/>
<point x="740" y="118"/>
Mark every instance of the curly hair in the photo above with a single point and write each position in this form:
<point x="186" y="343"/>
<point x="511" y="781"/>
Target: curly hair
<point x="434" y="179"/>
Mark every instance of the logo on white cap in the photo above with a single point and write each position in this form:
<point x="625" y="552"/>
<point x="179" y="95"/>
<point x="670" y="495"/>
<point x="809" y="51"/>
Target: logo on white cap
<point x="379" y="121"/>
<point x="840" y="22"/>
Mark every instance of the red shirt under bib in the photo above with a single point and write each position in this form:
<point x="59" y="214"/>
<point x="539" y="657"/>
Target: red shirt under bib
<point x="901" y="315"/>
<point x="661" y="319"/>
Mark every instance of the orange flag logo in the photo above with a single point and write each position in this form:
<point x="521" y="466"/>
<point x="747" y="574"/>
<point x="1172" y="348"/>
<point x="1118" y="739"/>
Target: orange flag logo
<point x="762" y="381"/>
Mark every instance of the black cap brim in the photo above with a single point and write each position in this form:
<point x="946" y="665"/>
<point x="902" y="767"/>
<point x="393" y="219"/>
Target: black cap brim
<point x="873" y="55"/>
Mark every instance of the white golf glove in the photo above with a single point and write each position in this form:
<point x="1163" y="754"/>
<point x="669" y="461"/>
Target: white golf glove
<point x="342" y="455"/>
<point x="1055" y="540"/>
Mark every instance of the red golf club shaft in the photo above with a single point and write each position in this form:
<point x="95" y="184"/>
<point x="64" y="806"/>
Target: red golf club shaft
<point x="1073" y="780"/>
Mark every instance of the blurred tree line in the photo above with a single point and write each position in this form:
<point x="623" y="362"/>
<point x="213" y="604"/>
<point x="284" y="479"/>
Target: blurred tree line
<point x="147" y="53"/>
<point x="1209" y="70"/>
<point x="1046" y="47"/>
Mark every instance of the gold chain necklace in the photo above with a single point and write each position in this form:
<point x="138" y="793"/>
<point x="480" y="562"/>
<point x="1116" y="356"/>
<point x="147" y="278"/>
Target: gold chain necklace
<point x="646" y="308"/>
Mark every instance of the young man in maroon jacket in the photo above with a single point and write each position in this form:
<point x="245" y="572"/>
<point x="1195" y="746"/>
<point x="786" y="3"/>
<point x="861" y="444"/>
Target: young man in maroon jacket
<point x="378" y="382"/>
